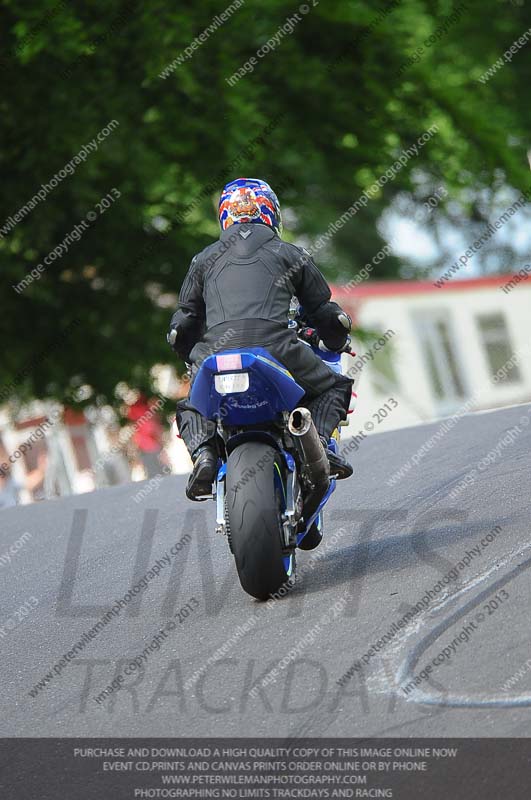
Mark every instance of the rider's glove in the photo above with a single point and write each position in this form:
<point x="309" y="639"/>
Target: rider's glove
<point x="345" y="320"/>
<point x="172" y="336"/>
<point x="345" y="348"/>
<point x="340" y="341"/>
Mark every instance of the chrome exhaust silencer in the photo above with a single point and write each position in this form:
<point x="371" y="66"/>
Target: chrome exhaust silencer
<point x="301" y="427"/>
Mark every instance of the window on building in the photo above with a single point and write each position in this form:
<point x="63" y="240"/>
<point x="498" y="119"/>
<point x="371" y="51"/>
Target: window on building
<point x="498" y="348"/>
<point x="441" y="356"/>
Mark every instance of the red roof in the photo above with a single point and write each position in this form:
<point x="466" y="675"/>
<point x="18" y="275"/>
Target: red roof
<point x="391" y="288"/>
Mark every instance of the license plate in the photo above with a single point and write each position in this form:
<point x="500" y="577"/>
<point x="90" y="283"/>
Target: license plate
<point x="231" y="382"/>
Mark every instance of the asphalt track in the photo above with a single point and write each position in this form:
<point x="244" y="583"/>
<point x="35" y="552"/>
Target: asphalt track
<point x="391" y="545"/>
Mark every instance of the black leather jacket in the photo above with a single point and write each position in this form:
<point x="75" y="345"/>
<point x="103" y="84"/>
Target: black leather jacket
<point x="245" y="281"/>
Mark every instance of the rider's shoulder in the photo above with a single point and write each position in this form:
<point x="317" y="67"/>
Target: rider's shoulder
<point x="295" y="251"/>
<point x="205" y="256"/>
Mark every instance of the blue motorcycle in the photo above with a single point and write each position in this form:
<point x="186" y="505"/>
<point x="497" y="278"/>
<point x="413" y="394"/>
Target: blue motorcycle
<point x="274" y="477"/>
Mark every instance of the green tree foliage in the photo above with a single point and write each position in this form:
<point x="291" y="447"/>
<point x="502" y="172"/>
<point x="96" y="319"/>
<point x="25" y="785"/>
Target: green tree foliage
<point x="321" y="116"/>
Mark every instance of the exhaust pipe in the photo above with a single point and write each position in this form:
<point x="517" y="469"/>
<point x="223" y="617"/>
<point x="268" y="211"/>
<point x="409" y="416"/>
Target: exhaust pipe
<point x="301" y="427"/>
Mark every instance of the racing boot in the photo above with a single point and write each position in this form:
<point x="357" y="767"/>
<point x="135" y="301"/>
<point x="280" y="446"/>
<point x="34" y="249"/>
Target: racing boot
<point x="339" y="466"/>
<point x="205" y="467"/>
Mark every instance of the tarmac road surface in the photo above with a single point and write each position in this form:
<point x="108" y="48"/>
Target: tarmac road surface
<point x="429" y="569"/>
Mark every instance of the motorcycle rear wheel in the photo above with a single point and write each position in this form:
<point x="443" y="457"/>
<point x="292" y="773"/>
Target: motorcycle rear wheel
<point x="254" y="505"/>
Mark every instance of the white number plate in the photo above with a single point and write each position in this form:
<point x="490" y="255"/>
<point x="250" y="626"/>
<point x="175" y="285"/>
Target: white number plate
<point x="231" y="382"/>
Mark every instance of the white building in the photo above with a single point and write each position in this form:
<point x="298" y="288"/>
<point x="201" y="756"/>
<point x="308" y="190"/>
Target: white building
<point x="463" y="347"/>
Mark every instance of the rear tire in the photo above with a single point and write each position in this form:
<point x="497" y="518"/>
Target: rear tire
<point x="254" y="505"/>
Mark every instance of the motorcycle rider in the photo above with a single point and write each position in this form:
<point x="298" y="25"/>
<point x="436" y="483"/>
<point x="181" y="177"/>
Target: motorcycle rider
<point x="236" y="294"/>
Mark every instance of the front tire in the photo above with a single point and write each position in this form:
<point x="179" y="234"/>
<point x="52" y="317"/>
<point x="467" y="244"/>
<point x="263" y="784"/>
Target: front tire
<point x="254" y="504"/>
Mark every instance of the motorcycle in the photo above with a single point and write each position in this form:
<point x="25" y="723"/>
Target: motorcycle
<point x="273" y="480"/>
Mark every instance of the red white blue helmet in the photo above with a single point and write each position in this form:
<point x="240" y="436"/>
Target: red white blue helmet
<point x="249" y="200"/>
